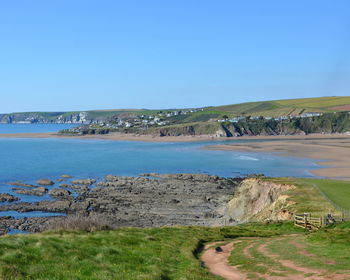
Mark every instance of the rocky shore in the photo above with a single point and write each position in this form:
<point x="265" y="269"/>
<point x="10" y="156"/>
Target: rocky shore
<point x="147" y="201"/>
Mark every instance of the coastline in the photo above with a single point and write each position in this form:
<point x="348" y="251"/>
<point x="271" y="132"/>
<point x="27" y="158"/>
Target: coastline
<point x="116" y="136"/>
<point x="333" y="150"/>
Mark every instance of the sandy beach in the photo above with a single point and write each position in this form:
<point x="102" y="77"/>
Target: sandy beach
<point x="333" y="150"/>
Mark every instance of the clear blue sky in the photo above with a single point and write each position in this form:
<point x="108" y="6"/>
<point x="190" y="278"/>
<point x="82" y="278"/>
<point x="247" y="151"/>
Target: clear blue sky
<point x="76" y="55"/>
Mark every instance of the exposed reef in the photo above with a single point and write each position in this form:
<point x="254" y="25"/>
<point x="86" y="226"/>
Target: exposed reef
<point x="152" y="200"/>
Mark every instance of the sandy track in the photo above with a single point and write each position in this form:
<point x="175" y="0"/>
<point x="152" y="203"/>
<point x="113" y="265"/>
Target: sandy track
<point x="217" y="262"/>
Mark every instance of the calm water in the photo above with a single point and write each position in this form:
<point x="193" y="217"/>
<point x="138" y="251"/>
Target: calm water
<point x="33" y="128"/>
<point x="30" y="159"/>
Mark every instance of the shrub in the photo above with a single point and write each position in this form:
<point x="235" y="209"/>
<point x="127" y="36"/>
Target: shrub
<point x="79" y="222"/>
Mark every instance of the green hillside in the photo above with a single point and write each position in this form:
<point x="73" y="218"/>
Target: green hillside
<point x="288" y="107"/>
<point x="275" y="108"/>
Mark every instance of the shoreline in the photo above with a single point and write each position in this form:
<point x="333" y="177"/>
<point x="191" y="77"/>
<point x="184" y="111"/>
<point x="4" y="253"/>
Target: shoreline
<point x="332" y="150"/>
<point x="333" y="153"/>
<point x="116" y="136"/>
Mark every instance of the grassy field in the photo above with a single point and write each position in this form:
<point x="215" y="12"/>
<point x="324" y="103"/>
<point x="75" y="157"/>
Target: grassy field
<point x="278" y="108"/>
<point x="275" y="108"/>
<point x="316" y="196"/>
<point x="337" y="191"/>
<point x="167" y="253"/>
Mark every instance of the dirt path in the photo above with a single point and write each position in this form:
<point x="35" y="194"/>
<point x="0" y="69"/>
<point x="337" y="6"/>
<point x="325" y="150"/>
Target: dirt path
<point x="217" y="262"/>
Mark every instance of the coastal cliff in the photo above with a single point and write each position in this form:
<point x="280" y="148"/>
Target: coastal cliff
<point x="327" y="123"/>
<point x="258" y="200"/>
<point x="41" y="117"/>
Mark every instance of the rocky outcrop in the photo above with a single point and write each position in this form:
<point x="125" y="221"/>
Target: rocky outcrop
<point x="38" y="191"/>
<point x="65" y="176"/>
<point x="45" y="182"/>
<point x="151" y="200"/>
<point x="163" y="200"/>
<point x="21" y="184"/>
<point x="5" y="197"/>
<point x="84" y="181"/>
<point x="46" y="117"/>
<point x="60" y="194"/>
<point x="79" y="189"/>
<point x="259" y="200"/>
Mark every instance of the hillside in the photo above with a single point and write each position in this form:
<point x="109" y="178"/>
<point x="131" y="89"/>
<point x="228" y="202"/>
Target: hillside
<point x="70" y="117"/>
<point x="275" y="108"/>
<point x="288" y="107"/>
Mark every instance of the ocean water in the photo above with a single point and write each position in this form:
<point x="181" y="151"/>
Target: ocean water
<point x="30" y="159"/>
<point x="32" y="128"/>
<point x="32" y="214"/>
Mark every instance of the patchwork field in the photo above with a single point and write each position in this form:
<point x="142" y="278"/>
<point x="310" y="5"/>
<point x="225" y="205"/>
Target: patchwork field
<point x="287" y="107"/>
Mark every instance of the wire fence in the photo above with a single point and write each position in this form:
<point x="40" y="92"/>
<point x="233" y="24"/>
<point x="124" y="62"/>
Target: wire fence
<point x="345" y="212"/>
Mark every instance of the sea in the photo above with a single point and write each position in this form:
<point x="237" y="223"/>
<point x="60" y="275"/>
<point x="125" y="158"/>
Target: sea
<point x="29" y="159"/>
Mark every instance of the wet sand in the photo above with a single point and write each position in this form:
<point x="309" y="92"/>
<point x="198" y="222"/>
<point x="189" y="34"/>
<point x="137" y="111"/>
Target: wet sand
<point x="334" y="150"/>
<point x="115" y="137"/>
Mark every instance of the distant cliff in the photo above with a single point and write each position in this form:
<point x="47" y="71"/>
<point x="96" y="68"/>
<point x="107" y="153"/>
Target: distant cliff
<point x="40" y="117"/>
<point x="327" y="123"/>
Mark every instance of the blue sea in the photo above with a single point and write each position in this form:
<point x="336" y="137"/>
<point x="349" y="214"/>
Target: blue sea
<point x="30" y="159"/>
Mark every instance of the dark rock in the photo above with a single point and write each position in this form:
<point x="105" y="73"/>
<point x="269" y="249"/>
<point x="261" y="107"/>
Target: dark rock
<point x="60" y="193"/>
<point x="45" y="182"/>
<point x="39" y="191"/>
<point x="84" y="181"/>
<point x="155" y="200"/>
<point x="6" y="197"/>
<point x="80" y="189"/>
<point x="218" y="249"/>
<point x="20" y="184"/>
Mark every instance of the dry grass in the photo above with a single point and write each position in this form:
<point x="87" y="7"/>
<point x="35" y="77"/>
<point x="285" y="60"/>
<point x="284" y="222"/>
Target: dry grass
<point x="79" y="222"/>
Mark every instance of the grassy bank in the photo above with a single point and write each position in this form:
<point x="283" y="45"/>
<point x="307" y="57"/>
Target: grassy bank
<point x="316" y="196"/>
<point x="126" y="253"/>
<point x="164" y="253"/>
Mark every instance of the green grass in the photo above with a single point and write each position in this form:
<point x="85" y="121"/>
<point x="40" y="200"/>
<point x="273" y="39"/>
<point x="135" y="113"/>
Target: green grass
<point x="337" y="191"/>
<point x="307" y="198"/>
<point x="274" y="108"/>
<point x="127" y="253"/>
<point x="278" y="108"/>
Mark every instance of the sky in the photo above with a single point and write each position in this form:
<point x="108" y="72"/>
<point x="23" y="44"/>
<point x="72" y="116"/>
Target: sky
<point x="63" y="55"/>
